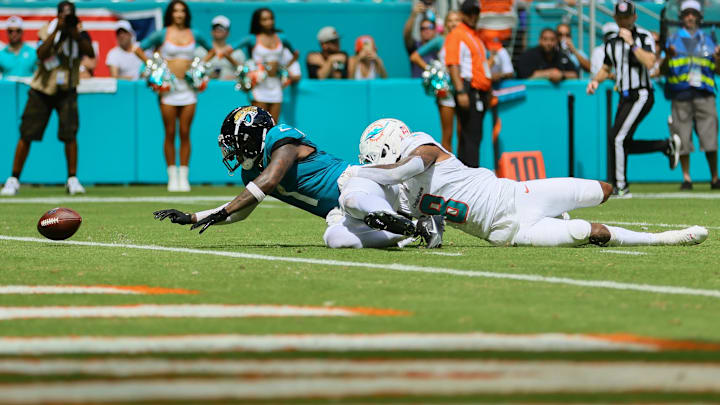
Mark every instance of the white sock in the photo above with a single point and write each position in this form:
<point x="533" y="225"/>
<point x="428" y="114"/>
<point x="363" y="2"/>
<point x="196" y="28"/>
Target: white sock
<point x="626" y="237"/>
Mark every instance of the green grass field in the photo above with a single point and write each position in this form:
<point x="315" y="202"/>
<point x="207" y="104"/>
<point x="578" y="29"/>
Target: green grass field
<point x="637" y="310"/>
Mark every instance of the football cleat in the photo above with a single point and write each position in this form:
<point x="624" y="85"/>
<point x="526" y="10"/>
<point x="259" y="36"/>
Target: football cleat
<point x="621" y="192"/>
<point x="391" y="222"/>
<point x="673" y="150"/>
<point x="431" y="230"/>
<point x="11" y="187"/>
<point x="694" y="235"/>
<point x="73" y="186"/>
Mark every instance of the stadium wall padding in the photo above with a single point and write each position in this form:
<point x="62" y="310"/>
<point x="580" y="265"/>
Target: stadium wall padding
<point x="121" y="135"/>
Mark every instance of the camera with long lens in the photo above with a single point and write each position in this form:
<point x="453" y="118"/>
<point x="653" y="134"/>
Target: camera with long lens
<point x="71" y="21"/>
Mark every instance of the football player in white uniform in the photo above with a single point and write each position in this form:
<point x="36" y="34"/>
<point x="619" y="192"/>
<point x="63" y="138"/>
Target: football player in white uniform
<point x="504" y="212"/>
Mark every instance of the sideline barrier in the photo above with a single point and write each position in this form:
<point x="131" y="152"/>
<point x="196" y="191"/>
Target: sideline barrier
<point x="121" y="134"/>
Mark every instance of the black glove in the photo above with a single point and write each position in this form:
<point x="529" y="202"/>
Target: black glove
<point x="211" y="220"/>
<point x="176" y="217"/>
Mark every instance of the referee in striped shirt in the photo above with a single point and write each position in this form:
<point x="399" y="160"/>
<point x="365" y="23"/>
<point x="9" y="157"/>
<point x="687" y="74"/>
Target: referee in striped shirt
<point x="631" y="52"/>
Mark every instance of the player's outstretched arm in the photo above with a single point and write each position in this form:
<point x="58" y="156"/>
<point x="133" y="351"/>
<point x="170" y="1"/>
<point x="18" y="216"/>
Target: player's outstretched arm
<point x="281" y="160"/>
<point x="417" y="162"/>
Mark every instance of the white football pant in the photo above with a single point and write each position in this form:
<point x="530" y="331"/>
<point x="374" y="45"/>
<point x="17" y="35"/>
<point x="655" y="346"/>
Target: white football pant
<point x="346" y="228"/>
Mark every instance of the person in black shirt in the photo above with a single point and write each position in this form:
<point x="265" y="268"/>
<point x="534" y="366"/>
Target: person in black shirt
<point x="546" y="60"/>
<point x="330" y="62"/>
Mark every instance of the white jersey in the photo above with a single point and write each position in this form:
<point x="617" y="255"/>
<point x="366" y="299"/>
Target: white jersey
<point x="472" y="200"/>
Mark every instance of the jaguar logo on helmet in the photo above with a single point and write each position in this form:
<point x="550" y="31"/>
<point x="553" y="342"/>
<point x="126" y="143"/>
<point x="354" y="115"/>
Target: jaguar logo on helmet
<point x="246" y="115"/>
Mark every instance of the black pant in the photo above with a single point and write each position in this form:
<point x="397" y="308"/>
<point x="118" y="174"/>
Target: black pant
<point x="471" y="125"/>
<point x="630" y="112"/>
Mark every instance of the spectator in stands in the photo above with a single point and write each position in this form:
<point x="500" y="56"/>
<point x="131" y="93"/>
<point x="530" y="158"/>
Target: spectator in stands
<point x="431" y="10"/>
<point x="501" y="67"/>
<point x="546" y="61"/>
<point x="87" y="67"/>
<point x="366" y="64"/>
<point x="497" y="20"/>
<point x="597" y="58"/>
<point x="18" y="59"/>
<point x="330" y="62"/>
<point x="121" y="60"/>
<point x="427" y="33"/>
<point x="220" y="67"/>
<point x="266" y="46"/>
<point x="446" y="105"/>
<point x="577" y="56"/>
<point x="53" y="87"/>
<point x="692" y="63"/>
<point x="465" y="59"/>
<point x="176" y="43"/>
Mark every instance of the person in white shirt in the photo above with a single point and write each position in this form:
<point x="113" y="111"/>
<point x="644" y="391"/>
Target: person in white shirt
<point x="121" y="61"/>
<point x="219" y="66"/>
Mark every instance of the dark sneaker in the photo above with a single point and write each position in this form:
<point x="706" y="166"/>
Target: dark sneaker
<point x="393" y="223"/>
<point x="673" y="150"/>
<point x="686" y="185"/>
<point x="715" y="185"/>
<point x="621" y="192"/>
<point x="431" y="230"/>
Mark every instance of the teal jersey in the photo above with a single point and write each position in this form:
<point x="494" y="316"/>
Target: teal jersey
<point x="310" y="184"/>
<point x="22" y="64"/>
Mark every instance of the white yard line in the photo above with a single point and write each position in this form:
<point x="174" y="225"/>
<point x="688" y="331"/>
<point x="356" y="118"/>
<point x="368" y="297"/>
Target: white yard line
<point x="661" y="225"/>
<point x="396" y="267"/>
<point x="180" y="311"/>
<point x="487" y="377"/>
<point x="428" y="368"/>
<point x="158" y="199"/>
<point x="623" y="252"/>
<point x="89" y="289"/>
<point x="553" y="342"/>
<point x="674" y="196"/>
<point x="444" y="253"/>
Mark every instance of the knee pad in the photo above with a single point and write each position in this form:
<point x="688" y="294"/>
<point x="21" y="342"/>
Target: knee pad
<point x="337" y="237"/>
<point x="579" y="230"/>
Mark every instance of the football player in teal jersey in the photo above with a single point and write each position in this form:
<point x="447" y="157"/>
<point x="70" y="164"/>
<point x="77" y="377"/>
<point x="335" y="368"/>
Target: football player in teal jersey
<point x="281" y="161"/>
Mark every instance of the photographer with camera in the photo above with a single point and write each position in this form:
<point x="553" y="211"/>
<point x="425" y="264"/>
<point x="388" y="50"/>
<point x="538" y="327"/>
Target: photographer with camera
<point x="62" y="44"/>
<point x="330" y="62"/>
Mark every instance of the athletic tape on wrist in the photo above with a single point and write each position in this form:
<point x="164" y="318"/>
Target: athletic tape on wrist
<point x="199" y="216"/>
<point x="255" y="191"/>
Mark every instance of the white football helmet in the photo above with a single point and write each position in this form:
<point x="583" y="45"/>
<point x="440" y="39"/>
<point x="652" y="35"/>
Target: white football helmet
<point x="380" y="142"/>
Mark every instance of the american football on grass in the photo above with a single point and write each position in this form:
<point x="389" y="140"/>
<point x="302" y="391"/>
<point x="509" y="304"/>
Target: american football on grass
<point x="59" y="223"/>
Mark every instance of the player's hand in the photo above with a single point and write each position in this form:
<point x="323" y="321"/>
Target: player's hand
<point x="176" y="217"/>
<point x="212" y="219"/>
<point x="592" y="86"/>
<point x="626" y="35"/>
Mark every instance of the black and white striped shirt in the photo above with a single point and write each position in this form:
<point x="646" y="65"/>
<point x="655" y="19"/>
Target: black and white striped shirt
<point x="631" y="74"/>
